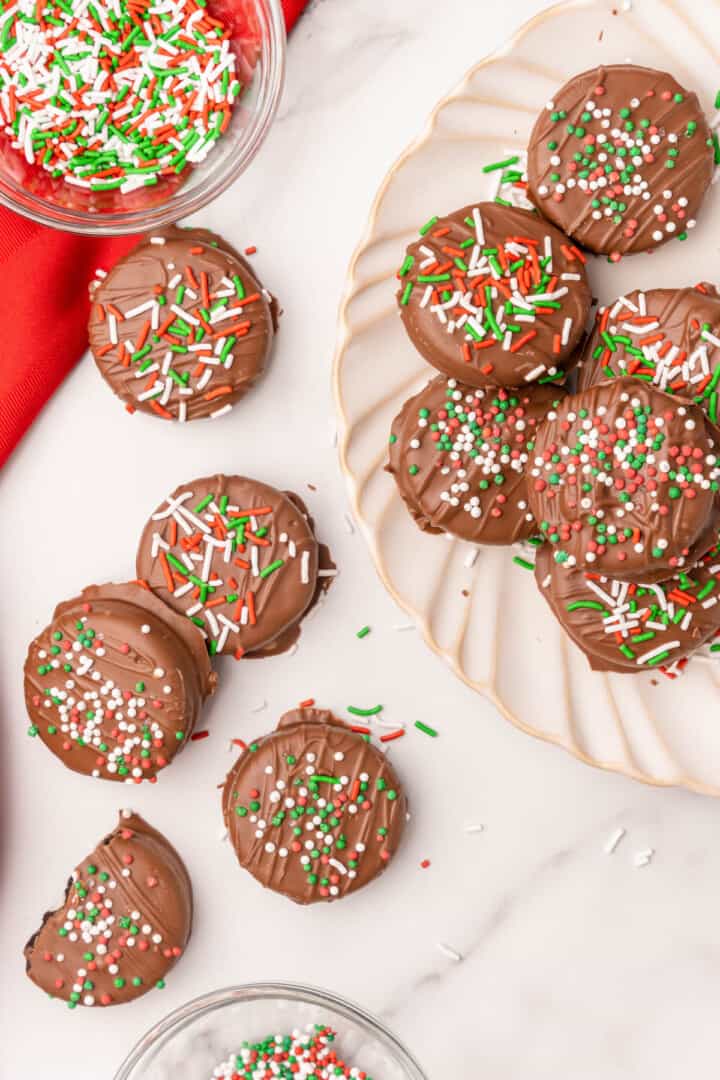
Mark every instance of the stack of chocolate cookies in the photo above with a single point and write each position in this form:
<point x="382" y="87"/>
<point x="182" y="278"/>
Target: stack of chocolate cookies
<point x="612" y="475"/>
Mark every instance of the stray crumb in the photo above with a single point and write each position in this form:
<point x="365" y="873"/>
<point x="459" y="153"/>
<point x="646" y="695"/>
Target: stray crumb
<point x="464" y="592"/>
<point x="311" y="486"/>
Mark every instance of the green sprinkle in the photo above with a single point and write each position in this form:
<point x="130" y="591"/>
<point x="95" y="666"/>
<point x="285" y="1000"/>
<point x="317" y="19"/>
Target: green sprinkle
<point x="363" y="632"/>
<point x="426" y="729"/>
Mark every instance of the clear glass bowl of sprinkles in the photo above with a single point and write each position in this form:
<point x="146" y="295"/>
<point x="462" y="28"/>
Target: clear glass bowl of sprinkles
<point x="119" y="116"/>
<point x="207" y="1033"/>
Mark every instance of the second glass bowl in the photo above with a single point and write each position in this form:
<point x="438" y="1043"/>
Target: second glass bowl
<point x="192" y="1041"/>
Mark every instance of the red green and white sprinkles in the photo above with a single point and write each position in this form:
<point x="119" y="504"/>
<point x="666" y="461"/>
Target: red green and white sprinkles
<point x="306" y="813"/>
<point x="509" y="180"/>
<point x="484" y="435"/>
<point x="620" y="158"/>
<point x="493" y="294"/>
<point x="301" y="1055"/>
<point x="634" y="341"/>
<point x="216" y="555"/>
<point x="651" y="626"/>
<point x="112" y="918"/>
<point x="174" y="350"/>
<point x="615" y="474"/>
<point x="114" y="94"/>
<point x="83" y="706"/>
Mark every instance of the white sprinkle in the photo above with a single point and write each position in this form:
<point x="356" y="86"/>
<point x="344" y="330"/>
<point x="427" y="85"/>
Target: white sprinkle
<point x="448" y="951"/>
<point x="613" y="841"/>
<point x="643" y="858"/>
<point x="400" y="627"/>
<point x="471" y="558"/>
<point x="474" y="828"/>
<point x="349" y="525"/>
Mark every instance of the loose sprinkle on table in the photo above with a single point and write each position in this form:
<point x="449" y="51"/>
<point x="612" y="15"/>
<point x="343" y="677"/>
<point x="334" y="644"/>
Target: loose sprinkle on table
<point x="613" y="840"/>
<point x="426" y="729"/>
<point x="363" y="632"/>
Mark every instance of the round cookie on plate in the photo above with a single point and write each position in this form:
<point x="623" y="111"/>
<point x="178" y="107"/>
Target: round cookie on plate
<point x="125" y="920"/>
<point x="236" y="556"/>
<point x="181" y="327"/>
<point x="626" y="627"/>
<point x="624" y="481"/>
<point x="115" y="683"/>
<point x="313" y="811"/>
<point x="459" y="457"/>
<point x="667" y="337"/>
<point x="620" y="159"/>
<point x="494" y="296"/>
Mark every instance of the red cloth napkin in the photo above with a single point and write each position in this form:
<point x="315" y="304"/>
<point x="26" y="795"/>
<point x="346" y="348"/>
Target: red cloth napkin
<point x="44" y="308"/>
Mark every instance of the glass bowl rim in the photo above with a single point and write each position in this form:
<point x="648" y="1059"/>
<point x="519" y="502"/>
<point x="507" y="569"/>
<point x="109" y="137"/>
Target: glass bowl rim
<point x="126" y="222"/>
<point x="208" y="1003"/>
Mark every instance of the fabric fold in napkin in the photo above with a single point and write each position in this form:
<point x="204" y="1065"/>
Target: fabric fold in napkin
<point x="44" y="306"/>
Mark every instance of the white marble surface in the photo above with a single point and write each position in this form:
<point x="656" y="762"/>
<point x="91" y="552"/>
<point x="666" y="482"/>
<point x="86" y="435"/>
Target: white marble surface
<point x="574" y="963"/>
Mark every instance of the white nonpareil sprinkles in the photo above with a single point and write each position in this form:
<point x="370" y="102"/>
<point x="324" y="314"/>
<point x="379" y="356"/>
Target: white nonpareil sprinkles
<point x="114" y="95"/>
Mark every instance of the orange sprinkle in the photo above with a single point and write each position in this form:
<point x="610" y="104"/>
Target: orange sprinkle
<point x="160" y="410"/>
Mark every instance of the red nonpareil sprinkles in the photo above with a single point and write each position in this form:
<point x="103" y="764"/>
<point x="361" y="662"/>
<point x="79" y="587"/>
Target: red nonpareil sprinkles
<point x="309" y="1053"/>
<point x="115" y="95"/>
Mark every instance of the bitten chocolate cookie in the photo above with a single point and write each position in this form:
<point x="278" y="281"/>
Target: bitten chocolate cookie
<point x="494" y="296"/>
<point x="125" y="920"/>
<point x="625" y="627"/>
<point x="620" y="159"/>
<point x="236" y="556"/>
<point x="181" y="328"/>
<point x="115" y="683"/>
<point x="459" y="457"/>
<point x="313" y="810"/>
<point x="625" y="482"/>
<point x="667" y="337"/>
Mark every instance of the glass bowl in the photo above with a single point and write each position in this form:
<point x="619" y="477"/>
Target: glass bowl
<point x="192" y="1041"/>
<point x="258" y="39"/>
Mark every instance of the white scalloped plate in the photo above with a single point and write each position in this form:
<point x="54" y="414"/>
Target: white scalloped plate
<point x="488" y="620"/>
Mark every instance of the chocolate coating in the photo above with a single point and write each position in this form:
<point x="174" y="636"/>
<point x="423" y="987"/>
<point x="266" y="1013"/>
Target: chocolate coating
<point x="620" y="159"/>
<point x="667" y="337"/>
<point x="241" y="557"/>
<point x="625" y="627"/>
<point x="470" y="296"/>
<point x="115" y="684"/>
<point x="625" y="481"/>
<point x="350" y="825"/>
<point x="125" y="920"/>
<point x="459" y="457"/>
<point x="181" y="289"/>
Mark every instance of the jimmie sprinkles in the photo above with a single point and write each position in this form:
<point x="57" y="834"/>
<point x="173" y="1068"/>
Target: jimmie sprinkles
<point x="238" y="557"/>
<point x="494" y="296"/>
<point x="181" y="327"/>
<point x="115" y="95"/>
